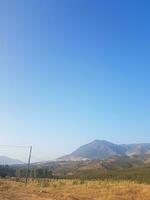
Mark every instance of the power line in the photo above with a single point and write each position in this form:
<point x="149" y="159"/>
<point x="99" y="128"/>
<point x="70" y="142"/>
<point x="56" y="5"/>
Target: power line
<point x="15" y="146"/>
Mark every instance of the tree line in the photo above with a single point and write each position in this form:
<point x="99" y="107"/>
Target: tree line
<point x="35" y="172"/>
<point x="5" y="170"/>
<point x="9" y="171"/>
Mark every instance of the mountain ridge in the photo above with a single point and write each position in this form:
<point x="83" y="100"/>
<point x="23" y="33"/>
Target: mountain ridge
<point x="102" y="149"/>
<point x="4" y="160"/>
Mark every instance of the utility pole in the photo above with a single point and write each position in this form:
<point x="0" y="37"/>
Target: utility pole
<point x="28" y="167"/>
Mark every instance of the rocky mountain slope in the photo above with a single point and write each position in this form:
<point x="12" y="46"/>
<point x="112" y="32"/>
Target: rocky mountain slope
<point x="101" y="149"/>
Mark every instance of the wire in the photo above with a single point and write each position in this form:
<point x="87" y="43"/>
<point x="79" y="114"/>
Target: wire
<point x="15" y="146"/>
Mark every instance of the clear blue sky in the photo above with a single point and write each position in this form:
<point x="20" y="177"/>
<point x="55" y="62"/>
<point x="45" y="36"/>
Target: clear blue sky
<point x="74" y="71"/>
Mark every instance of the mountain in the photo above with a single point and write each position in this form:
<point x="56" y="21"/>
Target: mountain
<point x="101" y="149"/>
<point x="9" y="161"/>
<point x="131" y="166"/>
<point x="137" y="149"/>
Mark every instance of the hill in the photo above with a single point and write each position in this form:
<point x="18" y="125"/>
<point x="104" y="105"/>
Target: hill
<point x="136" y="168"/>
<point x="101" y="149"/>
<point x="9" y="161"/>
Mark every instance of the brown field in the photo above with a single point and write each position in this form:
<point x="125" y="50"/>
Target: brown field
<point x="73" y="190"/>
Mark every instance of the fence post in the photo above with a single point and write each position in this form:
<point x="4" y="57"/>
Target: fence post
<point x="28" y="167"/>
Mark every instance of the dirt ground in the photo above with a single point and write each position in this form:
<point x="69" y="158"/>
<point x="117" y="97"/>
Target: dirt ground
<point x="73" y="190"/>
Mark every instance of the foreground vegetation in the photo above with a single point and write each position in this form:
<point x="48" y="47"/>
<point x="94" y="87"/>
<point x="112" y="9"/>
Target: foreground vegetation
<point x="48" y="189"/>
<point x="140" y="174"/>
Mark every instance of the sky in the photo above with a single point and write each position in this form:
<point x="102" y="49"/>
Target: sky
<point x="72" y="72"/>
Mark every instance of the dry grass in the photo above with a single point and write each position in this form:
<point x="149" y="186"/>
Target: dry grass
<point x="73" y="190"/>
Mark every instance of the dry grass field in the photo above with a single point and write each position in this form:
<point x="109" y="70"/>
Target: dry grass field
<point x="73" y="190"/>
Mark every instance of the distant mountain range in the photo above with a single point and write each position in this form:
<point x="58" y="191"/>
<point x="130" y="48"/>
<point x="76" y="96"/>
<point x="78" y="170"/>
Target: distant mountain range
<point x="9" y="161"/>
<point x="101" y="149"/>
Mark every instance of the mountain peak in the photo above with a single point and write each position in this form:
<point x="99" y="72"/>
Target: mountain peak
<point x="101" y="141"/>
<point x="102" y="149"/>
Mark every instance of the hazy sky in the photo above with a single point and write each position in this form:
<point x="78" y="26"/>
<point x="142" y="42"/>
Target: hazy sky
<point x="72" y="71"/>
